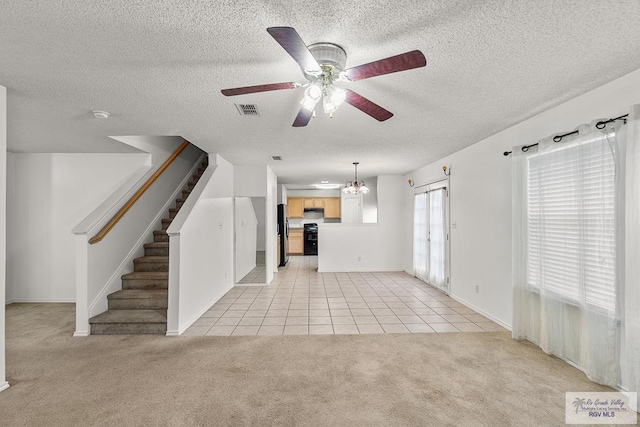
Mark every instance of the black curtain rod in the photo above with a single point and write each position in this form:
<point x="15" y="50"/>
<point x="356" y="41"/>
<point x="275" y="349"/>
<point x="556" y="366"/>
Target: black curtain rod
<point x="558" y="138"/>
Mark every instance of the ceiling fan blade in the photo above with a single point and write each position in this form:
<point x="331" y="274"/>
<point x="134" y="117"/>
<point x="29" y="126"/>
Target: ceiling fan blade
<point x="291" y="41"/>
<point x="303" y="117"/>
<point x="368" y="107"/>
<point x="258" y="88"/>
<point x="393" y="64"/>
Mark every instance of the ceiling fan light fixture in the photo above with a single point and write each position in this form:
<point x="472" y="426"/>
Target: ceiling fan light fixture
<point x="309" y="103"/>
<point x="323" y="64"/>
<point x="338" y="96"/>
<point x="312" y="95"/>
<point x="314" y="91"/>
<point x="328" y="105"/>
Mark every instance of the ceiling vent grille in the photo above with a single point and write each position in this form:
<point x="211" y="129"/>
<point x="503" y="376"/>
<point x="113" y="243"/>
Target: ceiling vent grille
<point x="247" y="109"/>
<point x="276" y="158"/>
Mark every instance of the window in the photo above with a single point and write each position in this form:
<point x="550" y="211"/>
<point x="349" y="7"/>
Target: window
<point x="571" y="222"/>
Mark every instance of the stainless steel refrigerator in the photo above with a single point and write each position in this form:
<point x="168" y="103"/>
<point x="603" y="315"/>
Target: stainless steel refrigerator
<point x="283" y="231"/>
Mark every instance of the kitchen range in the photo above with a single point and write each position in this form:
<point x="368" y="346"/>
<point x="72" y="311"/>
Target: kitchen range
<point x="311" y="239"/>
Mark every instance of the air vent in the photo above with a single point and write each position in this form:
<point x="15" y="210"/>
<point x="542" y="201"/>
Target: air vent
<point x="247" y="109"/>
<point x="278" y="158"/>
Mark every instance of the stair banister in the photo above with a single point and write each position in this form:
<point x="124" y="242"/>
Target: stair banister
<point x="124" y="209"/>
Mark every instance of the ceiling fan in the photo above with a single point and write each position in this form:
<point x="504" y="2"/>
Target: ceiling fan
<point x="322" y="65"/>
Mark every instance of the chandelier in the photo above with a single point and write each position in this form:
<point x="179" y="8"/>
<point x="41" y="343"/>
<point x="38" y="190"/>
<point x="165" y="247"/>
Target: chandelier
<point x="355" y="186"/>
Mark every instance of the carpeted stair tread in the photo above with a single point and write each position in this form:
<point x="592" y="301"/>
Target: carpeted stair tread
<point x="139" y="294"/>
<point x="130" y="316"/>
<point x="152" y="258"/>
<point x="156" y="245"/>
<point x="150" y="275"/>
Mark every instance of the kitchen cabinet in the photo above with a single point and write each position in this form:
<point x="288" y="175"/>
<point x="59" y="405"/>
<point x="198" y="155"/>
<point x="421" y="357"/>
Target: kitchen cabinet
<point x="296" y="242"/>
<point x="332" y="207"/>
<point x="314" y="202"/>
<point x="295" y="207"/>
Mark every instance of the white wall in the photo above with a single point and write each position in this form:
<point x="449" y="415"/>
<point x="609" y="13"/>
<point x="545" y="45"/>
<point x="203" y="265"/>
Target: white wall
<point x="368" y="247"/>
<point x="202" y="247"/>
<point x="259" y="206"/>
<point x="370" y="205"/>
<point x="261" y="181"/>
<point x="246" y="226"/>
<point x="206" y="258"/>
<point x="250" y="180"/>
<point x="480" y="195"/>
<point x="271" y="208"/>
<point x="48" y="194"/>
<point x="3" y="229"/>
<point x="282" y="194"/>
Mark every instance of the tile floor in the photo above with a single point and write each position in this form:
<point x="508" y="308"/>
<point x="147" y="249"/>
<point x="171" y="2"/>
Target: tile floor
<point x="259" y="273"/>
<point x="301" y="301"/>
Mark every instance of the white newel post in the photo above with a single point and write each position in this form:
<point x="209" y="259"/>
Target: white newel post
<point x="3" y="230"/>
<point x="82" y="285"/>
<point x="173" y="308"/>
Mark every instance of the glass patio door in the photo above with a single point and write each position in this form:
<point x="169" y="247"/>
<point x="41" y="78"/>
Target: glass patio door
<point x="430" y="238"/>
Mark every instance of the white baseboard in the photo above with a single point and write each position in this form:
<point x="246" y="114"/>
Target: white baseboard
<point x="251" y="284"/>
<point x="80" y="334"/>
<point x="4" y="386"/>
<point x="40" y="301"/>
<point x="485" y="314"/>
<point x="363" y="270"/>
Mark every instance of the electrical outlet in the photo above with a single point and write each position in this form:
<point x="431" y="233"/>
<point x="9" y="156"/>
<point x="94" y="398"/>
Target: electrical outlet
<point x="477" y="289"/>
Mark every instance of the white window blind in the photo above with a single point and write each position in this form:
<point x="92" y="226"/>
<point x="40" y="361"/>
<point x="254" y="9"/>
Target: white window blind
<point x="571" y="249"/>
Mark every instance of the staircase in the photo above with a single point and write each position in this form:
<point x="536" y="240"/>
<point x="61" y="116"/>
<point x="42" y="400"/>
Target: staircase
<point x="141" y="306"/>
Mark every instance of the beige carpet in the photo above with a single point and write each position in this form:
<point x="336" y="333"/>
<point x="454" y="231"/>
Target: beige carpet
<point x="459" y="379"/>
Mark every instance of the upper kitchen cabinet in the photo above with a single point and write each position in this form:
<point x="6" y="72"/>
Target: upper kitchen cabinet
<point x="295" y="207"/>
<point x="314" y="202"/>
<point x="332" y="207"/>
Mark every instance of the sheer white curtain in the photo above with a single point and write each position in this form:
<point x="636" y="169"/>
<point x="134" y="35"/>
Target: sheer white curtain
<point x="437" y="239"/>
<point x="566" y="270"/>
<point x="420" y="237"/>
<point x="631" y="306"/>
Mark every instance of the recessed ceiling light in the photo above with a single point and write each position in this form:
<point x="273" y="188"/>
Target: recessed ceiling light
<point x="100" y="114"/>
<point x="327" y="186"/>
<point x="324" y="182"/>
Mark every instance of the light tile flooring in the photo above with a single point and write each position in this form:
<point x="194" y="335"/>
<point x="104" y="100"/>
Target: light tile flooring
<point x="301" y="301"/>
<point x="259" y="273"/>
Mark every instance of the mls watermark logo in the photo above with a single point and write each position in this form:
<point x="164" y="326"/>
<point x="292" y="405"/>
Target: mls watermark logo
<point x="601" y="408"/>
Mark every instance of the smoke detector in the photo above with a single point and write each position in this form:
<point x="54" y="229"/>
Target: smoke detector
<point x="100" y="114"/>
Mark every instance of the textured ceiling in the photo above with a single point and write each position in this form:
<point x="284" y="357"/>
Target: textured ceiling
<point x="158" y="67"/>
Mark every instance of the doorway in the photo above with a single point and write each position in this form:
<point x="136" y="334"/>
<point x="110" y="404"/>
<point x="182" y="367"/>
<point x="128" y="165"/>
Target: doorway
<point x="250" y="233"/>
